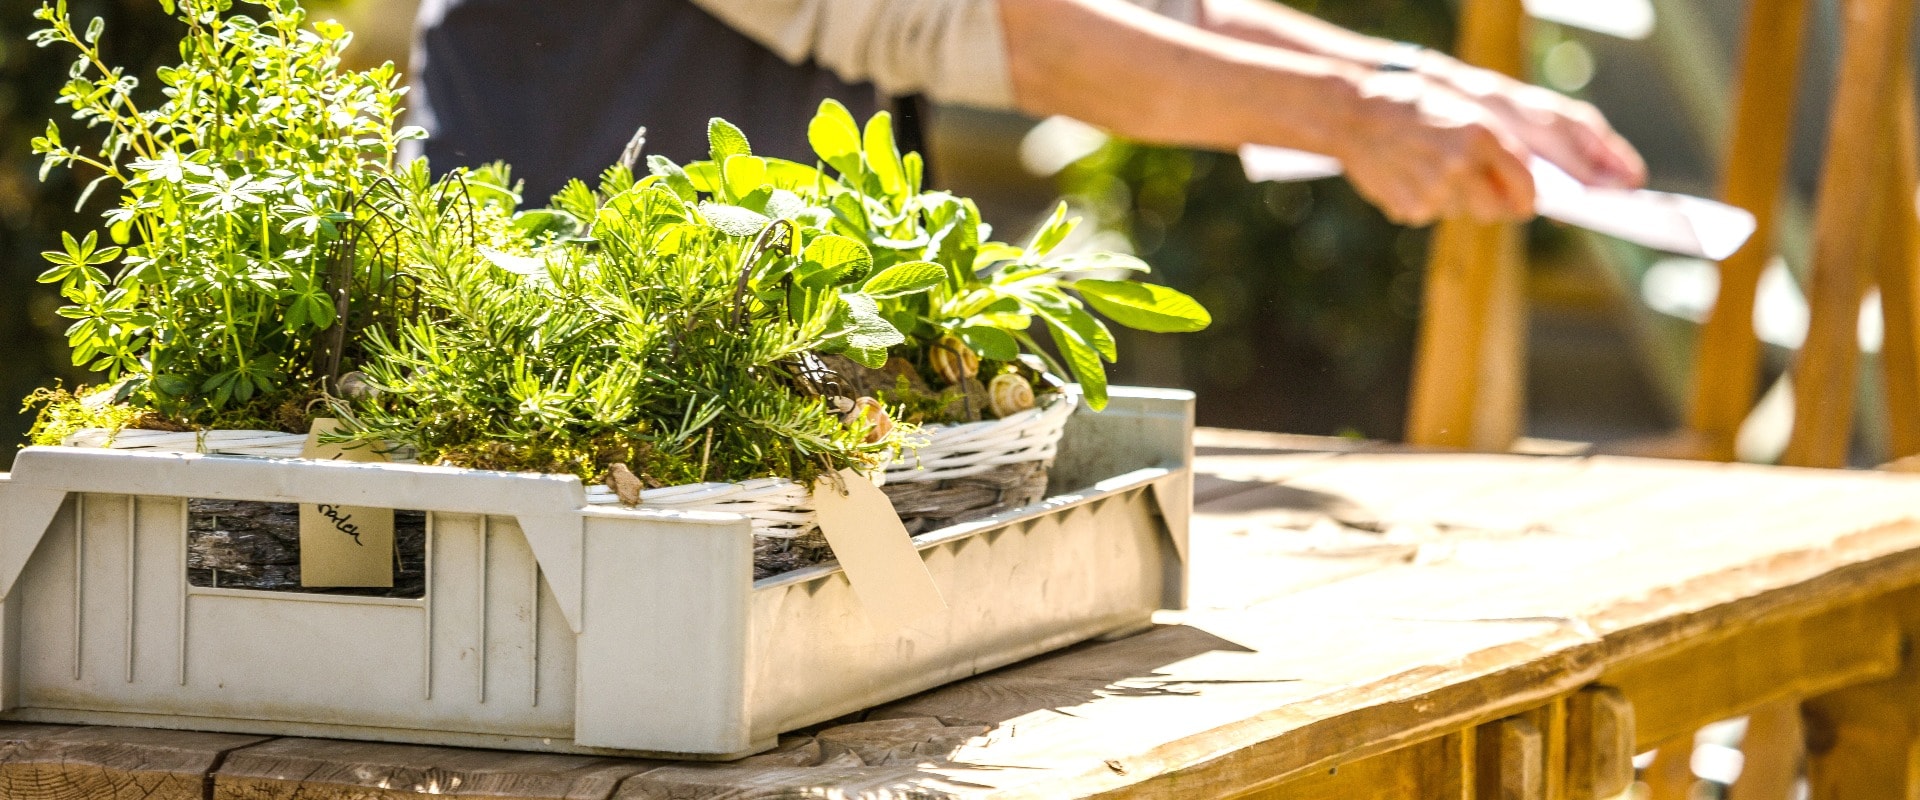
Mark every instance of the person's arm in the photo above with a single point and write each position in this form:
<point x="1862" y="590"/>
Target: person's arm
<point x="1568" y="132"/>
<point x="1417" y="150"/>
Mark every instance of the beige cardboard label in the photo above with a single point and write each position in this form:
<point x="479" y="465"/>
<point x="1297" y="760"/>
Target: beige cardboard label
<point x="875" y="550"/>
<point x="344" y="545"/>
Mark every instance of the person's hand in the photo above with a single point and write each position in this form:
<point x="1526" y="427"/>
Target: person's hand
<point x="1421" y="151"/>
<point x="1570" y="133"/>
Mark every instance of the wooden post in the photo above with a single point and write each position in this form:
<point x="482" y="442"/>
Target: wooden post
<point x="1863" y="742"/>
<point x="1512" y="761"/>
<point x="1551" y="721"/>
<point x="1599" y="744"/>
<point x="1468" y="387"/>
<point x="1773" y="748"/>
<point x="1898" y="237"/>
<point x="1876" y="37"/>
<point x="1670" y="777"/>
<point x="1727" y="362"/>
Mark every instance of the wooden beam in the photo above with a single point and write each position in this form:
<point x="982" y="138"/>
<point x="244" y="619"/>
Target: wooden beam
<point x="50" y="762"/>
<point x="1727" y="361"/>
<point x="324" y="769"/>
<point x="1468" y="378"/>
<point x="1876" y="37"/>
<point x="1896" y="264"/>
<point x="1670" y="776"/>
<point x="1440" y="769"/>
<point x="1511" y="761"/>
<point x="1599" y="744"/>
<point x="1551" y="721"/>
<point x="1863" y="742"/>
<point x="1773" y="749"/>
<point x="1711" y="678"/>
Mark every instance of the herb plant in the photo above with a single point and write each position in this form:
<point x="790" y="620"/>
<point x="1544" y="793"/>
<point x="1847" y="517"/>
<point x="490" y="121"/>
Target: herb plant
<point x="674" y="323"/>
<point x="644" y="323"/>
<point x="239" y="193"/>
<point x="988" y="294"/>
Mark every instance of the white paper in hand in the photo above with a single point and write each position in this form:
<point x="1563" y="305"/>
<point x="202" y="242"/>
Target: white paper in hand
<point x="1674" y="223"/>
<point x="876" y="552"/>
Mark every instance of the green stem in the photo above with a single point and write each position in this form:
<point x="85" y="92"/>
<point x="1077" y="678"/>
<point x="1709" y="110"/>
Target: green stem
<point x="92" y="55"/>
<point x="226" y="302"/>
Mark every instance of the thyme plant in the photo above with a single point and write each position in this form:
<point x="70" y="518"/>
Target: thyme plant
<point x="236" y="195"/>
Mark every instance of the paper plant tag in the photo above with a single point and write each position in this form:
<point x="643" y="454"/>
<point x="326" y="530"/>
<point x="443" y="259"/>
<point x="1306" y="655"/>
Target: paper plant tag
<point x="344" y="545"/>
<point x="876" y="551"/>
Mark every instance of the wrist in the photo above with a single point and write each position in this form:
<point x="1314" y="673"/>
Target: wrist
<point x="1369" y="98"/>
<point x="1459" y="76"/>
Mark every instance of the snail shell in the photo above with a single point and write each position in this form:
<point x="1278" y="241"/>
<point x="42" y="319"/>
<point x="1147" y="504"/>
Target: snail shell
<point x="868" y="411"/>
<point x="355" y="386"/>
<point x="953" y="360"/>
<point x="1009" y="394"/>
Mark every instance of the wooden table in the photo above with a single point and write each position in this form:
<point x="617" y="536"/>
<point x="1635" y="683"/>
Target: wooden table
<point x="1367" y="623"/>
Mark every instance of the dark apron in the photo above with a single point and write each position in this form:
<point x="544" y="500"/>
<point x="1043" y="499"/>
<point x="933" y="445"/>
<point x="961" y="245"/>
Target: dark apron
<point x="557" y="87"/>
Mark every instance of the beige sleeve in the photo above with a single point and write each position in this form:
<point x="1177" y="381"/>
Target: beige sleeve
<point x="953" y="51"/>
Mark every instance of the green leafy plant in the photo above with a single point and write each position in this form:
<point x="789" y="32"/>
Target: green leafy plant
<point x="674" y="323"/>
<point x="956" y="283"/>
<point x="239" y="194"/>
<point x="646" y="323"/>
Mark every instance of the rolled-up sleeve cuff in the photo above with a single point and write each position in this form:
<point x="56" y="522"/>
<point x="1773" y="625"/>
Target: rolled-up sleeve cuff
<point x="953" y="51"/>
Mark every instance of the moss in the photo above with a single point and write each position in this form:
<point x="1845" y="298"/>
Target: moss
<point x="62" y="413"/>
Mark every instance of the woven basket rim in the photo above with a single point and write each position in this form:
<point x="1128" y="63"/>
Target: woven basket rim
<point x="777" y="507"/>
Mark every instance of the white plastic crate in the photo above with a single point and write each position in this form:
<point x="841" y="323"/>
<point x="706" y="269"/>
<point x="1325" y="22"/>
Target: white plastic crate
<point x="548" y="624"/>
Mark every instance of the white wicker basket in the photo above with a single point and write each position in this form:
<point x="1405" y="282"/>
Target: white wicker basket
<point x="778" y="508"/>
<point x="971" y="448"/>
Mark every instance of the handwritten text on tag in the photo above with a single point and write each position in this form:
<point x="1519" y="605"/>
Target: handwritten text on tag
<point x="344" y="545"/>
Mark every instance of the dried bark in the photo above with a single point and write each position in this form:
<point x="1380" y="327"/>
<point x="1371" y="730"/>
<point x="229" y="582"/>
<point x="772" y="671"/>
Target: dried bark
<point x="237" y="544"/>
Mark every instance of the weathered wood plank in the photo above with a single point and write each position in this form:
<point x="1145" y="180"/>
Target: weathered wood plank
<point x="1705" y="549"/>
<point x="319" y="769"/>
<point x="49" y="762"/>
<point x="1269" y="698"/>
<point x="1725" y="674"/>
<point x="1440" y="769"/>
<point x="730" y="782"/>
